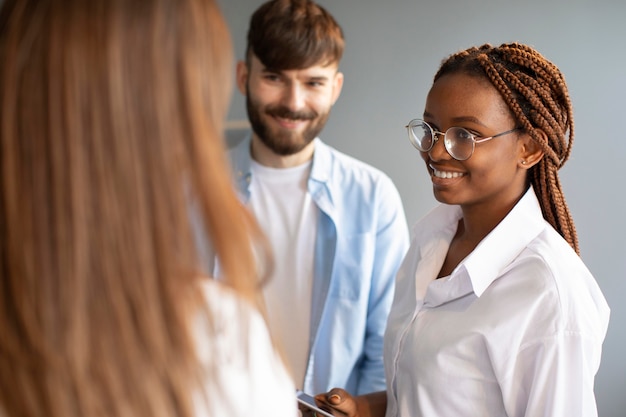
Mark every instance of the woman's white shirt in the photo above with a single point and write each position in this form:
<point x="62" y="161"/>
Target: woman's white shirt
<point x="251" y="377"/>
<point x="515" y="330"/>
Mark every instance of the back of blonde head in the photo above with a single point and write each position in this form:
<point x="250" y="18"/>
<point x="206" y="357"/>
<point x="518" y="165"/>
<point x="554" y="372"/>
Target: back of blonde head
<point x="110" y="123"/>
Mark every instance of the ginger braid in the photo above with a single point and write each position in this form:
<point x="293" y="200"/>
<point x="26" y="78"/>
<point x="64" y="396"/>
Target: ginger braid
<point x="536" y="93"/>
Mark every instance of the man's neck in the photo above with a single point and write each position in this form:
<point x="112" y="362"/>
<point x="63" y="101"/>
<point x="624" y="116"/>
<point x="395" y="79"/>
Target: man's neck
<point x="265" y="156"/>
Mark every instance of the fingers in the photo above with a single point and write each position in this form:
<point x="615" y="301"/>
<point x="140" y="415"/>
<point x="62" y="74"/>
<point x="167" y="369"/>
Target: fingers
<point x="306" y="412"/>
<point x="333" y="397"/>
<point x="339" y="401"/>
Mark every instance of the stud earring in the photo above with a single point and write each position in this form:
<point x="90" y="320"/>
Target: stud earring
<point x="523" y="162"/>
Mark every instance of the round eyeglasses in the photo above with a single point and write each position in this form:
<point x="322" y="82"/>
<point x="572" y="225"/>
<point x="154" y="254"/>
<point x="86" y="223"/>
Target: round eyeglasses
<point x="459" y="142"/>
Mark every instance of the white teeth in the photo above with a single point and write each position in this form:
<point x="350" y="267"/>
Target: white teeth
<point x="446" y="174"/>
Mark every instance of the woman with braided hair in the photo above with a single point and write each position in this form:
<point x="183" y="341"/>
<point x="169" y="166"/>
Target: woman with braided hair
<point x="495" y="313"/>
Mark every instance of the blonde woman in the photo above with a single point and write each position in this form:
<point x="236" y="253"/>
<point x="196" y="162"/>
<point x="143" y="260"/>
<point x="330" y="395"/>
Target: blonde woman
<point x="111" y="118"/>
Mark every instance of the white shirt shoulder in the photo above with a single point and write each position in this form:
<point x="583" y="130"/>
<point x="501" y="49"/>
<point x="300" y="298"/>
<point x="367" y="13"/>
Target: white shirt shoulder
<point x="251" y="377"/>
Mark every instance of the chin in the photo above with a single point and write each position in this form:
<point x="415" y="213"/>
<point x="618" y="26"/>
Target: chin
<point x="445" y="197"/>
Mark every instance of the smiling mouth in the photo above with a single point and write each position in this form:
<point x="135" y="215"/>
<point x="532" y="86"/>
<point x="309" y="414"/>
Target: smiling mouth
<point x="446" y="174"/>
<point x="289" y="120"/>
<point x="287" y="123"/>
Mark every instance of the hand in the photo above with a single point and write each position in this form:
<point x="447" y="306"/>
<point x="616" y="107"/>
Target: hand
<point x="339" y="402"/>
<point x="304" y="411"/>
<point x="314" y="410"/>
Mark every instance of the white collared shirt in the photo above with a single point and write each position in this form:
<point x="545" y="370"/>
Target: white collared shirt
<point x="245" y="374"/>
<point x="515" y="330"/>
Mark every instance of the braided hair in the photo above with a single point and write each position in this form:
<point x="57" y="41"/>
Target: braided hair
<point x="535" y="91"/>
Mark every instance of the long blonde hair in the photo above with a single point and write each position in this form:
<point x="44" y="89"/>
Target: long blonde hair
<point x="111" y="115"/>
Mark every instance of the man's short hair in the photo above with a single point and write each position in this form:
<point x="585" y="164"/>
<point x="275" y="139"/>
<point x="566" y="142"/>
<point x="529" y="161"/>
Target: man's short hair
<point x="294" y="34"/>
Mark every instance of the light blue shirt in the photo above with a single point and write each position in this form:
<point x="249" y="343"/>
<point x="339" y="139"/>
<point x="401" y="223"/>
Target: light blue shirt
<point x="362" y="237"/>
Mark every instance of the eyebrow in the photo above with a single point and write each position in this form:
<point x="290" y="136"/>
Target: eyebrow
<point x="318" y="78"/>
<point x="460" y="119"/>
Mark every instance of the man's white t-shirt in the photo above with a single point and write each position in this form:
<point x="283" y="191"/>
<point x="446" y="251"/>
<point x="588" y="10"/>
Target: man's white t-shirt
<point x="283" y="207"/>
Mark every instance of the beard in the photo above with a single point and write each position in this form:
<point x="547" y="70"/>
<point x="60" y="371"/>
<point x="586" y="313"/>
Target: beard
<point x="283" y="142"/>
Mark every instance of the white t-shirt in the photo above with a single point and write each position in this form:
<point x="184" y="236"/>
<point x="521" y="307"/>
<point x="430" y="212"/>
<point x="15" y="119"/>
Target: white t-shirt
<point x="252" y="379"/>
<point x="285" y="210"/>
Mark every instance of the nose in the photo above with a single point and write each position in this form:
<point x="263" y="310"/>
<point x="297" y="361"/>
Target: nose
<point x="438" y="152"/>
<point x="293" y="97"/>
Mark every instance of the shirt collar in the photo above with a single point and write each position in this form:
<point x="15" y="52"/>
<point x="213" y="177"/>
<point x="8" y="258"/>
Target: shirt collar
<point x="504" y="243"/>
<point x="242" y="159"/>
<point x="320" y="169"/>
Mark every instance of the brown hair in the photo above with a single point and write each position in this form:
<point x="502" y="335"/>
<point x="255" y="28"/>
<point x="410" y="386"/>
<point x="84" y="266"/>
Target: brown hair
<point x="536" y="93"/>
<point x="294" y="34"/>
<point x="111" y="116"/>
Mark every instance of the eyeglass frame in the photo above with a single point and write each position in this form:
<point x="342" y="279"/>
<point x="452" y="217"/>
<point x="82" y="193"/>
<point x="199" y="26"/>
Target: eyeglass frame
<point x="436" y="134"/>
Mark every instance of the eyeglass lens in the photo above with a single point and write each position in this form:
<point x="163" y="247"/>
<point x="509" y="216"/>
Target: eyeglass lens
<point x="458" y="142"/>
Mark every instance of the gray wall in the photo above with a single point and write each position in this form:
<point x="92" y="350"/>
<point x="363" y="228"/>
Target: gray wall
<point x="393" y="49"/>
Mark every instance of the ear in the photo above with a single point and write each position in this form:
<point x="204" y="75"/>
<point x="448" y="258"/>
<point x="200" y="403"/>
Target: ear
<point x="337" y="86"/>
<point x="530" y="152"/>
<point x="242" y="77"/>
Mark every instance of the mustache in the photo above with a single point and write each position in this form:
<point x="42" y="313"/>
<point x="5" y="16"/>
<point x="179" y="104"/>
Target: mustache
<point x="285" y="113"/>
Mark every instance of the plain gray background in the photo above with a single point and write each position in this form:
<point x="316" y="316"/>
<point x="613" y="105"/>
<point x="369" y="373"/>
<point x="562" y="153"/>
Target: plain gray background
<point x="393" y="48"/>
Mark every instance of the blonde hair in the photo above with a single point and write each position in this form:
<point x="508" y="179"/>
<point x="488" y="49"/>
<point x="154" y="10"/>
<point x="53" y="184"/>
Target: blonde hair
<point x="111" y="118"/>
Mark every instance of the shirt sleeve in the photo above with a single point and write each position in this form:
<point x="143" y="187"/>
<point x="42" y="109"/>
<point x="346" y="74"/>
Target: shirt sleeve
<point x="553" y="377"/>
